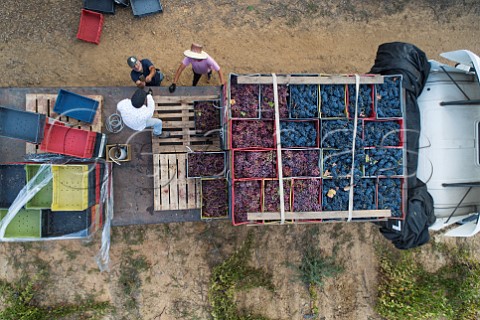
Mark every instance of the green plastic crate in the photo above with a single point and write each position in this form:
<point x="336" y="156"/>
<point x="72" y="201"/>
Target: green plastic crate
<point x="70" y="187"/>
<point x="43" y="198"/>
<point x="26" y="224"/>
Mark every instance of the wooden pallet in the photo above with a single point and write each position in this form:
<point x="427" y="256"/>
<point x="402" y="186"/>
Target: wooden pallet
<point x="172" y="189"/>
<point x="177" y="115"/>
<point x="44" y="103"/>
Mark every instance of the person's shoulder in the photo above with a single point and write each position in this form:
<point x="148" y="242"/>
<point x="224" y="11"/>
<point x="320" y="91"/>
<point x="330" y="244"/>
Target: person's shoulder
<point x="125" y="103"/>
<point x="146" y="61"/>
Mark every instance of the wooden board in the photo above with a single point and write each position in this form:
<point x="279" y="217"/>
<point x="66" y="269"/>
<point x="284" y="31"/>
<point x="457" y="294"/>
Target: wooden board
<point x="44" y="103"/>
<point x="172" y="189"/>
<point x="318" y="79"/>
<point x="319" y="215"/>
<point x="178" y="118"/>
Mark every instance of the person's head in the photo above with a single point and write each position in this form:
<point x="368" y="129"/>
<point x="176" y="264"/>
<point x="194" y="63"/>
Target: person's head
<point x="139" y="98"/>
<point x="196" y="52"/>
<point x="134" y="63"/>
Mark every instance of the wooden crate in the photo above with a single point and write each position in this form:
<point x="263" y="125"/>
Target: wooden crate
<point x="177" y="115"/>
<point x="44" y="103"/>
<point x="172" y="189"/>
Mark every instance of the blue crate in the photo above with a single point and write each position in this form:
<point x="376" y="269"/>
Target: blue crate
<point x="103" y="6"/>
<point x="142" y="8"/>
<point x="63" y="223"/>
<point x="12" y="180"/>
<point x="75" y="106"/>
<point x="24" y="125"/>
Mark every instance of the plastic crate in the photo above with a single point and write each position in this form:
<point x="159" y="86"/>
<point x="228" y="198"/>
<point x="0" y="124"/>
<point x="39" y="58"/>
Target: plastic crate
<point x="12" y="180"/>
<point x="76" y="106"/>
<point x="43" y="198"/>
<point x="24" y="125"/>
<point x="142" y="8"/>
<point x="59" y="138"/>
<point x="26" y="224"/>
<point x="64" y="223"/>
<point x="104" y="6"/>
<point x="90" y="27"/>
<point x="219" y="198"/>
<point x="70" y="187"/>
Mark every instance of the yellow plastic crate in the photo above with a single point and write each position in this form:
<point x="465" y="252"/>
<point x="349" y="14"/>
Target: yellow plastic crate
<point x="70" y="187"/>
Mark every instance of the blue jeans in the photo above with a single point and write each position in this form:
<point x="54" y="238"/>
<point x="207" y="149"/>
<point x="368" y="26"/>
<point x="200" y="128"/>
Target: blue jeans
<point x="156" y="124"/>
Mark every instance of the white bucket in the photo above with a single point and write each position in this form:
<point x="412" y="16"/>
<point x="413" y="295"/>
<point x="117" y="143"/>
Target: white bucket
<point x="117" y="153"/>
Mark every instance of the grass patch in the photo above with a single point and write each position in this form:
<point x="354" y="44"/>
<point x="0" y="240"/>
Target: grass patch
<point x="232" y="275"/>
<point x="129" y="279"/>
<point x="20" y="300"/>
<point x="407" y="291"/>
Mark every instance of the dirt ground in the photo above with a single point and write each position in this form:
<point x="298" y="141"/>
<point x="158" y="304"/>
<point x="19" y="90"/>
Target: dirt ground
<point x="39" y="48"/>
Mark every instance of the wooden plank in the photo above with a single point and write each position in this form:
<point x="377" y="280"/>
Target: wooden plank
<point x="183" y="99"/>
<point x="156" y="179"/>
<point x="319" y="215"/>
<point x="192" y="190"/>
<point x="31" y="105"/>
<point x="333" y="79"/>
<point x="178" y="107"/>
<point x="172" y="172"/>
<point x="164" y="183"/>
<point x="182" y="180"/>
<point x="198" y="186"/>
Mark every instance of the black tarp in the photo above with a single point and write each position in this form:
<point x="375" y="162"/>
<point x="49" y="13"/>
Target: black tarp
<point x="411" y="62"/>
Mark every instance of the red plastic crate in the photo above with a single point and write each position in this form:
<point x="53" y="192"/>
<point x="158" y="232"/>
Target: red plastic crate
<point x="90" y="27"/>
<point x="59" y="138"/>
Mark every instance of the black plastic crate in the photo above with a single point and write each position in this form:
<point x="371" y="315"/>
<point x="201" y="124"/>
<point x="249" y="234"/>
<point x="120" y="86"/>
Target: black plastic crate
<point x="24" y="125"/>
<point x="104" y="6"/>
<point x="142" y="8"/>
<point x="12" y="180"/>
<point x="62" y="223"/>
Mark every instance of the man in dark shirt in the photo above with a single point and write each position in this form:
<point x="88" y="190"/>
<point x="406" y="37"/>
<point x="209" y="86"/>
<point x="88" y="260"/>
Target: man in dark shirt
<point x="144" y="72"/>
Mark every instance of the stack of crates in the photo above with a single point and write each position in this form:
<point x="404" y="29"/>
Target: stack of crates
<point x="67" y="207"/>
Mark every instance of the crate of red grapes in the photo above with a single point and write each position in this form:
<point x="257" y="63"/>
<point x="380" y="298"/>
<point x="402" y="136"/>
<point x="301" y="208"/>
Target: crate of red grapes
<point x="247" y="134"/>
<point x="254" y="164"/>
<point x="207" y="116"/>
<point x="206" y="164"/>
<point x="246" y="197"/>
<point x="244" y="100"/>
<point x="214" y="197"/>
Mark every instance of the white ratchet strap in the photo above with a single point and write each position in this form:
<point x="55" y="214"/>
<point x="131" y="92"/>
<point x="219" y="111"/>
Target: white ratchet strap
<point x="350" y="196"/>
<point x="279" y="149"/>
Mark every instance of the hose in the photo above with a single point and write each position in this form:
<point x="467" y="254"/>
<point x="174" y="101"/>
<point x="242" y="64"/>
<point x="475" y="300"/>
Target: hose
<point x="114" y="123"/>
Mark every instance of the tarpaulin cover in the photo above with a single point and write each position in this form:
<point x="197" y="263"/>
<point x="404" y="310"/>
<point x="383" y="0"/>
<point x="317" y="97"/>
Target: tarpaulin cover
<point x="412" y="63"/>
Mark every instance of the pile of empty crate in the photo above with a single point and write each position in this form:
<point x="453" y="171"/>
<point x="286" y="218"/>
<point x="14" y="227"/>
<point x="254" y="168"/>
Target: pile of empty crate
<point x="56" y="194"/>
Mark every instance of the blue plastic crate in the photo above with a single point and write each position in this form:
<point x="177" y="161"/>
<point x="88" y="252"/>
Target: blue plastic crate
<point x="12" y="180"/>
<point x="104" y="6"/>
<point x="142" y="8"/>
<point x="76" y="106"/>
<point x="24" y="125"/>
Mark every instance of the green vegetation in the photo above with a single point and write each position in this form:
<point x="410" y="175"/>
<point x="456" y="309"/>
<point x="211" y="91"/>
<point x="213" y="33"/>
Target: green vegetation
<point x="408" y="291"/>
<point x="129" y="279"/>
<point x="232" y="275"/>
<point x="315" y="267"/>
<point x="21" y="302"/>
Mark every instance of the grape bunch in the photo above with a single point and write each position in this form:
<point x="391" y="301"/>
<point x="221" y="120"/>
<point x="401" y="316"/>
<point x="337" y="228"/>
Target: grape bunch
<point x="207" y="116"/>
<point x="303" y="101"/>
<point x="267" y="106"/>
<point x="333" y="100"/>
<point x="205" y="164"/>
<point x="339" y="134"/>
<point x="388" y="98"/>
<point x="384" y="162"/>
<point x="390" y="195"/>
<point x="338" y="163"/>
<point x="335" y="194"/>
<point x="255" y="164"/>
<point x="382" y="133"/>
<point x="306" y="195"/>
<point x="365" y="102"/>
<point x="252" y="134"/>
<point x="214" y="198"/>
<point x="298" y="134"/>
<point x="271" y="197"/>
<point x="247" y="199"/>
<point x="244" y="100"/>
<point x="301" y="163"/>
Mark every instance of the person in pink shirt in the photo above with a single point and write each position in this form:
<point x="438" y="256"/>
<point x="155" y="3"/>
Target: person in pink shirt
<point x="201" y="63"/>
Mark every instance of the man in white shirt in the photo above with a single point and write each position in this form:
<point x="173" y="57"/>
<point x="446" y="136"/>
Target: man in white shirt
<point x="137" y="113"/>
